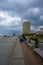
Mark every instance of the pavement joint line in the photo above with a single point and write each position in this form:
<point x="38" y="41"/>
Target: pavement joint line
<point x="17" y="58"/>
<point x="11" y="53"/>
<point x="13" y="48"/>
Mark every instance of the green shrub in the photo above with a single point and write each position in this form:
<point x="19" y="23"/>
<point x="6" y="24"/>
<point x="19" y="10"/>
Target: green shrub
<point x="23" y="36"/>
<point x="35" y="39"/>
<point x="19" y="36"/>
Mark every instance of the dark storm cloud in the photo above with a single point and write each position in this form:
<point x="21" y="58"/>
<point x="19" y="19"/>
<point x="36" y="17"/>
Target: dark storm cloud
<point x="26" y="9"/>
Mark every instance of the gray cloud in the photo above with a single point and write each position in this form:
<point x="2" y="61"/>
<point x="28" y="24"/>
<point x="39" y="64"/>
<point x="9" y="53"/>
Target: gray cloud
<point x="26" y="9"/>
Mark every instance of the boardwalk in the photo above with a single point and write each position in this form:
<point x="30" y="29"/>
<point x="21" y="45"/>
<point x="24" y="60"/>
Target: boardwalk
<point x="17" y="56"/>
<point x="11" y="52"/>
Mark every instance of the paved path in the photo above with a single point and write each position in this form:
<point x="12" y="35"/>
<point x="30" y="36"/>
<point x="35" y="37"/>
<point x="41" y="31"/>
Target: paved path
<point x="6" y="48"/>
<point x="10" y="52"/>
<point x="17" y="57"/>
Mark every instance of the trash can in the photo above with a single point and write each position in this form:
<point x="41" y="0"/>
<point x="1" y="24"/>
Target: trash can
<point x="20" y="40"/>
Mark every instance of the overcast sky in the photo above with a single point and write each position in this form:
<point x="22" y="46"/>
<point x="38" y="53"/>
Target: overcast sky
<point x="13" y="12"/>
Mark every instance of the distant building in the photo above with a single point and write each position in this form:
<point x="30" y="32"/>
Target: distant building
<point x="13" y="34"/>
<point x="26" y="27"/>
<point x="40" y="32"/>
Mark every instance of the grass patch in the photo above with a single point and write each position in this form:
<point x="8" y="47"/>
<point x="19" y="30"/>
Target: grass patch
<point x="40" y="37"/>
<point x="35" y="39"/>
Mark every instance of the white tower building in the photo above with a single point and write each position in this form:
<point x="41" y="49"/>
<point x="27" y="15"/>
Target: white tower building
<point x="26" y="27"/>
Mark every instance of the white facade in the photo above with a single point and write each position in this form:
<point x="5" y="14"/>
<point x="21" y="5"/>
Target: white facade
<point x="26" y="27"/>
<point x="40" y="32"/>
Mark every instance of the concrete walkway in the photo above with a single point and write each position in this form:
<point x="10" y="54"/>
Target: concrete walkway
<point x="17" y="56"/>
<point x="6" y="49"/>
